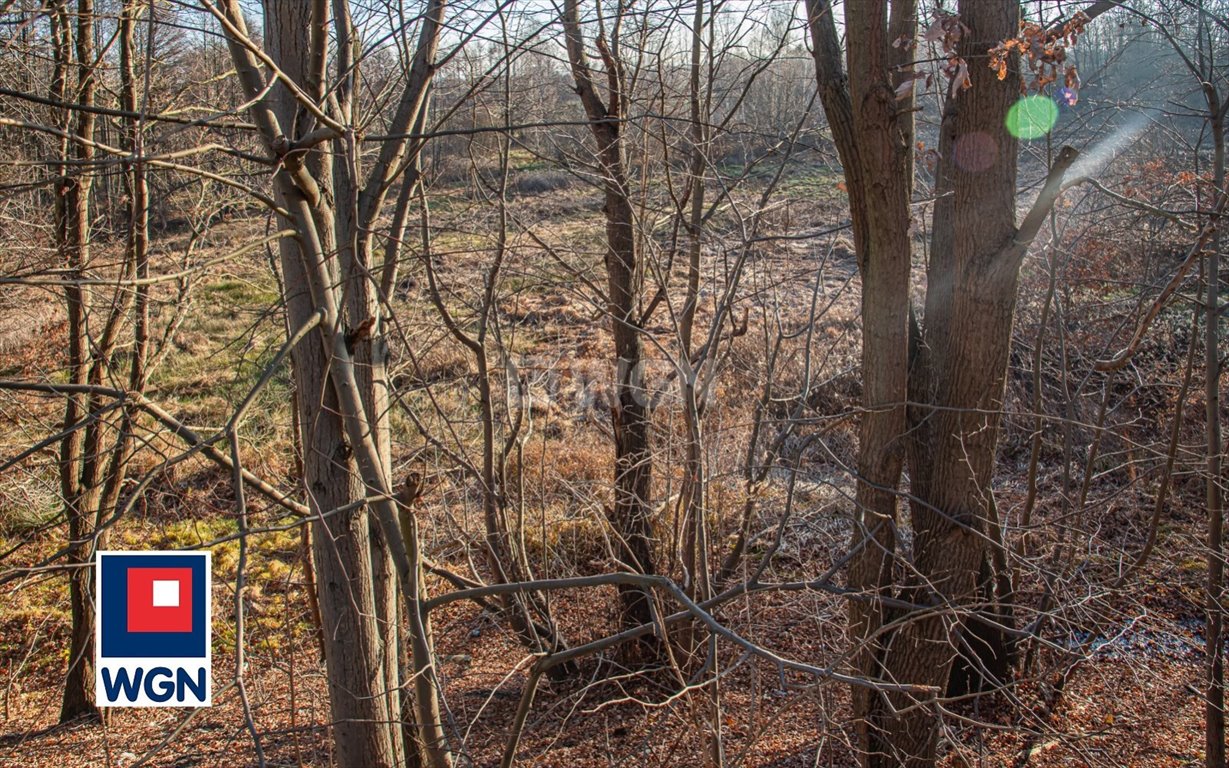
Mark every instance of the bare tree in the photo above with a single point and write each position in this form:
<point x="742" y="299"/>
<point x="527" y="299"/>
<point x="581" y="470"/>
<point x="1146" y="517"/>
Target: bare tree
<point x="631" y="413"/>
<point x="952" y="370"/>
<point x="98" y="442"/>
<point x="461" y="454"/>
<point x="341" y="387"/>
<point x="873" y="133"/>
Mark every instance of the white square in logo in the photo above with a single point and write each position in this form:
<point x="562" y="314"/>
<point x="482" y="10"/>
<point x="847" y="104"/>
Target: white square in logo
<point x="166" y="594"/>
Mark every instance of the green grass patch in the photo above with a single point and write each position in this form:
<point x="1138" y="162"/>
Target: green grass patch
<point x="220" y="354"/>
<point x="521" y="159"/>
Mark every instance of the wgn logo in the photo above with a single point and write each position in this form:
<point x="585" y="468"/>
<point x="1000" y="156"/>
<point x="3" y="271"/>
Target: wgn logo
<point x="152" y="631"/>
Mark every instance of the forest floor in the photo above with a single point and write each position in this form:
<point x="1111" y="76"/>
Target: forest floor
<point x="1132" y="699"/>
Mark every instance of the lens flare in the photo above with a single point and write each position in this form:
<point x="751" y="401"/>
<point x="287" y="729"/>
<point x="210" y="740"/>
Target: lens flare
<point x="1032" y="117"/>
<point x="1068" y="97"/>
<point x="1094" y="159"/>
<point x="975" y="152"/>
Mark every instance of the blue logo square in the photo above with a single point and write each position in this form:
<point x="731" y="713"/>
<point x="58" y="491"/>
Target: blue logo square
<point x="117" y="641"/>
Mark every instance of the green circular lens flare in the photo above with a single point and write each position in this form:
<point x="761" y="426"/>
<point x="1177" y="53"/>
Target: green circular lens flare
<point x="1032" y="117"/>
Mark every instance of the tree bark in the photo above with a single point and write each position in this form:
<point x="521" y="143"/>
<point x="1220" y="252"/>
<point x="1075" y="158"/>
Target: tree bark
<point x="873" y="132"/>
<point x="75" y="51"/>
<point x="970" y="305"/>
<point x="955" y="371"/>
<point x="1214" y="710"/>
<point x="292" y="121"/>
<point x="631" y="412"/>
<point x="345" y="575"/>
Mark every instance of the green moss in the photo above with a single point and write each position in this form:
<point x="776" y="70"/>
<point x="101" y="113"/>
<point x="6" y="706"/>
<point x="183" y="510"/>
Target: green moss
<point x="220" y="355"/>
<point x="813" y="182"/>
<point x="522" y="159"/>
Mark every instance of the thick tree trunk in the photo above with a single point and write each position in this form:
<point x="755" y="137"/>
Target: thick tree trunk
<point x="340" y="414"/>
<point x="354" y="652"/>
<point x="957" y="368"/>
<point x="880" y="184"/>
<point x="970" y="305"/>
<point x="977" y="251"/>
<point x="341" y="550"/>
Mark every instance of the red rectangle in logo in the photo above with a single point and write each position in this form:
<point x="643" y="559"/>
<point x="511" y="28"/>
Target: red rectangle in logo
<point x="159" y="599"/>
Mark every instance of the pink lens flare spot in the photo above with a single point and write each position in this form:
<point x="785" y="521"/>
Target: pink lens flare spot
<point x="975" y="152"/>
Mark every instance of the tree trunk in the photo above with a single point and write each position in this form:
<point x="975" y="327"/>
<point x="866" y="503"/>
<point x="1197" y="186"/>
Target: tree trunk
<point x="970" y="305"/>
<point x="345" y="575"/>
<point x="341" y="551"/>
<point x="370" y="355"/>
<point x="631" y="412"/>
<point x="73" y="235"/>
<point x="341" y="419"/>
<point x="960" y="372"/>
<point x="1214" y="710"/>
<point x="879" y="179"/>
<point x="955" y="372"/>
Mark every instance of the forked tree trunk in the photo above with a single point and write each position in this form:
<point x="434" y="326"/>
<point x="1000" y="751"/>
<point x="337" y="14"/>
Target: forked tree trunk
<point x="339" y="397"/>
<point x="957" y="370"/>
<point x="345" y="575"/>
